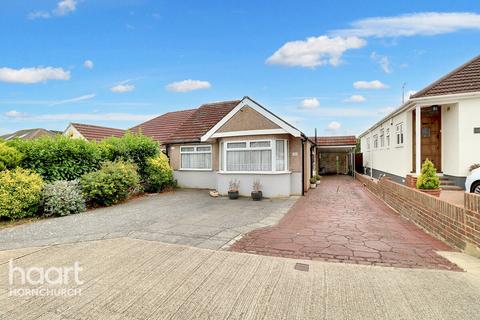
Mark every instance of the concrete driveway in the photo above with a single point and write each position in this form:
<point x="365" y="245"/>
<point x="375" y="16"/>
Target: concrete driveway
<point x="137" y="279"/>
<point x="189" y="217"/>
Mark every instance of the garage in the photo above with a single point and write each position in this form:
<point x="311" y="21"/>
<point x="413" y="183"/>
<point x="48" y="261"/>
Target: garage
<point x="335" y="155"/>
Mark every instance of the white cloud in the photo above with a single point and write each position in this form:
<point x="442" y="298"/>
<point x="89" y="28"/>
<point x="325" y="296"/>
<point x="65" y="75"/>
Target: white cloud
<point x="188" y="85"/>
<point x="38" y="15"/>
<point x="33" y="75"/>
<point x="73" y="100"/>
<point x="331" y="112"/>
<point x="123" y="87"/>
<point x="355" y="98"/>
<point x="334" y="126"/>
<point x="408" y="94"/>
<point x="425" y="24"/>
<point x="383" y="61"/>
<point x="14" y="114"/>
<point x="309" y="103"/>
<point x="375" y="84"/>
<point x="88" y="64"/>
<point x="315" y="51"/>
<point x="64" y="7"/>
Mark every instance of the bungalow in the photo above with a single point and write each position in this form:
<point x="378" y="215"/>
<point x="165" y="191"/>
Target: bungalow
<point x="440" y="122"/>
<point x="29" y="134"/>
<point x="238" y="140"/>
<point x="91" y="132"/>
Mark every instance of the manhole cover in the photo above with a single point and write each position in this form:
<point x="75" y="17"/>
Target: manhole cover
<point x="302" y="267"/>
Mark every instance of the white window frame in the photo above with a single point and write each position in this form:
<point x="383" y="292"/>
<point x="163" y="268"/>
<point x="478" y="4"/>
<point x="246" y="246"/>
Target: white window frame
<point x="375" y="141"/>
<point x="368" y="143"/>
<point x="273" y="147"/>
<point x="387" y="136"/>
<point x="195" y="146"/>
<point x="382" y="138"/>
<point x="400" y="138"/>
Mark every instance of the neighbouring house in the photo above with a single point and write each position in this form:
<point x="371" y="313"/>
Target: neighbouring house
<point x="234" y="140"/>
<point x="440" y="122"/>
<point x="91" y="132"/>
<point x="29" y="134"/>
<point x="335" y="154"/>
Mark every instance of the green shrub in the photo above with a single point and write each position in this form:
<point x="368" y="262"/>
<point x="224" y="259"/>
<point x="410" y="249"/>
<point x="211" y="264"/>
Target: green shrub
<point x="59" y="157"/>
<point x="112" y="183"/>
<point x="9" y="157"/>
<point x="62" y="198"/>
<point x="132" y="147"/>
<point x="428" y="178"/>
<point x="20" y="191"/>
<point x="159" y="174"/>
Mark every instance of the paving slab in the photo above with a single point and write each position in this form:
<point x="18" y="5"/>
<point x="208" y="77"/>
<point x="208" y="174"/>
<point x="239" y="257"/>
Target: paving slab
<point x="341" y="221"/>
<point x="127" y="278"/>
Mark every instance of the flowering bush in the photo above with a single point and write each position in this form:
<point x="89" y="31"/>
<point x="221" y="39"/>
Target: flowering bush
<point x="62" y="198"/>
<point x="20" y="191"/>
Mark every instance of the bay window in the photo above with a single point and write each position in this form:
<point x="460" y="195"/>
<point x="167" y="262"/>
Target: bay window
<point x="196" y="157"/>
<point x="255" y="156"/>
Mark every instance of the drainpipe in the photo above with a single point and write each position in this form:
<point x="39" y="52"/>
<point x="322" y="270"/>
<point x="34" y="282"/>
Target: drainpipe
<point x="303" y="167"/>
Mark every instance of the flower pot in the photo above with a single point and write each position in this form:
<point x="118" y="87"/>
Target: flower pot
<point x="313" y="185"/>
<point x="318" y="182"/>
<point x="232" y="195"/>
<point x="432" y="192"/>
<point x="256" y="195"/>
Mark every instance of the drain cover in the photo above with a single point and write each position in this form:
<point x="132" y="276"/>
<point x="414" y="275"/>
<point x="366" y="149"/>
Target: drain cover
<point x="302" y="267"/>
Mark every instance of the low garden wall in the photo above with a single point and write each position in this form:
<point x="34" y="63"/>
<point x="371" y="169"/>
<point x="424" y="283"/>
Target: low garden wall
<point x="455" y="225"/>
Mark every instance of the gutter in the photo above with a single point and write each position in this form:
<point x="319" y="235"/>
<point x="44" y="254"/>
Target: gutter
<point x="303" y="167"/>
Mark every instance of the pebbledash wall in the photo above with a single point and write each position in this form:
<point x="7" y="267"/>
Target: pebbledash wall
<point x="455" y="225"/>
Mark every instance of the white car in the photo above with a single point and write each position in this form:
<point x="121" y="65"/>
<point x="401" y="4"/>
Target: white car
<point x="472" y="184"/>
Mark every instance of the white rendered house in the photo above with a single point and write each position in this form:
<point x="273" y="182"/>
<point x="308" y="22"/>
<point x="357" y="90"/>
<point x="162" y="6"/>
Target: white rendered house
<point x="448" y="127"/>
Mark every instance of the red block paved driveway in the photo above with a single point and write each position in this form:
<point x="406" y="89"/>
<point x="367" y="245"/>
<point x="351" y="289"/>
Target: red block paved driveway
<point x="341" y="221"/>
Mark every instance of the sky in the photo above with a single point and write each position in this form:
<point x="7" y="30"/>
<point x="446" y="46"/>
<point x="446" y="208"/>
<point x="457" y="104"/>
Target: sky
<point x="338" y="66"/>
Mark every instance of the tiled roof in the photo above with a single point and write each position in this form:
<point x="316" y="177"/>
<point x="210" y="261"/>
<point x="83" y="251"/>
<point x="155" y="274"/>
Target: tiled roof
<point x="465" y="78"/>
<point x="97" y="133"/>
<point x="162" y="127"/>
<point x="202" y="120"/>
<point x="186" y="125"/>
<point x="335" y="141"/>
<point x="28" y="134"/>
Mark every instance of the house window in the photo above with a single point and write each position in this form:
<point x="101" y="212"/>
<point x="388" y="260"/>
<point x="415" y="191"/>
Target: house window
<point x="196" y="157"/>
<point x="256" y="156"/>
<point x="382" y="138"/>
<point x="368" y="143"/>
<point x="375" y="141"/>
<point x="388" y="137"/>
<point x="399" y="128"/>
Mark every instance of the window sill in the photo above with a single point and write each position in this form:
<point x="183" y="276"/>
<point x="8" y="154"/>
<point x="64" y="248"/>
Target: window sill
<point x="195" y="169"/>
<point x="255" y="172"/>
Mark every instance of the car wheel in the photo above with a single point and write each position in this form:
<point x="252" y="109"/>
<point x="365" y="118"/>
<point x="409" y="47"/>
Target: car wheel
<point x="476" y="187"/>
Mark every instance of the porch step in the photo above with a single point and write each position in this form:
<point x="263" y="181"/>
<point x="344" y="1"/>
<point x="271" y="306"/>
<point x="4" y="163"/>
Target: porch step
<point x="451" y="187"/>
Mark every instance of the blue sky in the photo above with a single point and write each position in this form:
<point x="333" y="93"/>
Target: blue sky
<point x="336" y="66"/>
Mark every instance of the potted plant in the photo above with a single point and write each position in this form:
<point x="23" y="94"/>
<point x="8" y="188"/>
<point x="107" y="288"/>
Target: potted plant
<point x="318" y="178"/>
<point x="256" y="193"/>
<point x="428" y="181"/>
<point x="313" y="182"/>
<point x="233" y="189"/>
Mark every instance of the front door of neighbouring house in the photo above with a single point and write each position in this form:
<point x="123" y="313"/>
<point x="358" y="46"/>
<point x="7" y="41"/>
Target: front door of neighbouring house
<point x="431" y="147"/>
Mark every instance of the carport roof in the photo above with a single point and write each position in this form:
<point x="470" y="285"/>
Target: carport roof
<point x="335" y="141"/>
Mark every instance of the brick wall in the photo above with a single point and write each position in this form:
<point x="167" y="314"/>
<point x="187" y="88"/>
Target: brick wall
<point x="455" y="225"/>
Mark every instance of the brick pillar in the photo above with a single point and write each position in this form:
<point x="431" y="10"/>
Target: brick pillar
<point x="411" y="181"/>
